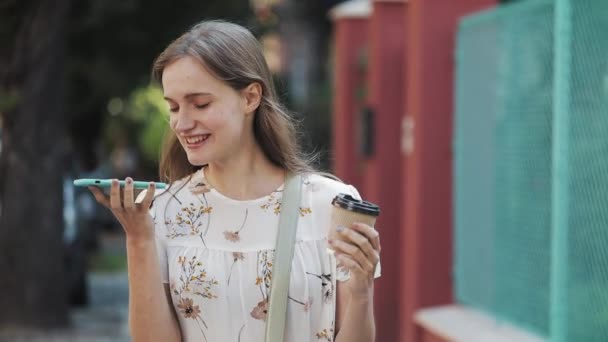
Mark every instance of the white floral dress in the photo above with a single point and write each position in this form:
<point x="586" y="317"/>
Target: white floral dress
<point x="216" y="253"/>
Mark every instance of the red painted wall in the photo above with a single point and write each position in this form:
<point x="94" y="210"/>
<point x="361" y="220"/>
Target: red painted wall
<point x="386" y="86"/>
<point x="427" y="238"/>
<point x="350" y="41"/>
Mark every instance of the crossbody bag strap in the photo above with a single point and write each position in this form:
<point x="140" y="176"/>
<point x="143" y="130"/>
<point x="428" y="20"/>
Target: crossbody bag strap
<point x="288" y="222"/>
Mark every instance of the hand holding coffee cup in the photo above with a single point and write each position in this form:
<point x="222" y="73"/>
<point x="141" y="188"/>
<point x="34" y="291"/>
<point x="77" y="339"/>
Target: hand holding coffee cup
<point x="353" y="239"/>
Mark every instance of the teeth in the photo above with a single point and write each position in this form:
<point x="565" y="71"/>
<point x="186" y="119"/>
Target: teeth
<point x="197" y="139"/>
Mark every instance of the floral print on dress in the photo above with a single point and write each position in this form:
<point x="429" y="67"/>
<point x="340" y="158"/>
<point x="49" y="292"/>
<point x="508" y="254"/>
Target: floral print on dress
<point x="305" y="211"/>
<point x="275" y="204"/>
<point x="265" y="259"/>
<point x="193" y="281"/>
<point x="188" y="222"/>
<point x="272" y="202"/>
<point x="233" y="235"/>
<point x="327" y="286"/>
<point x="314" y="187"/>
<point x="306" y="305"/>
<point x="187" y="308"/>
<point x="220" y="288"/>
<point x="198" y="185"/>
<point x="199" y="188"/>
<point x="263" y="281"/>
<point x="260" y="311"/>
<point x="241" y="332"/>
<point x="326" y="335"/>
<point x="238" y="256"/>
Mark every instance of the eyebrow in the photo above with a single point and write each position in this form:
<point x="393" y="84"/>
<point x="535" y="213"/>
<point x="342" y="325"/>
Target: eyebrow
<point x="189" y="96"/>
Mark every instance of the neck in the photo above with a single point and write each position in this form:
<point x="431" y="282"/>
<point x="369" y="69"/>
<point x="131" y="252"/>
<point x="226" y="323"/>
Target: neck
<point x="247" y="175"/>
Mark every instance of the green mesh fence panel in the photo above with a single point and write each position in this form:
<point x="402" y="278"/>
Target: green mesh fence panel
<point x="503" y="163"/>
<point x="473" y="162"/>
<point x="580" y="288"/>
<point x="531" y="166"/>
<point x="523" y="167"/>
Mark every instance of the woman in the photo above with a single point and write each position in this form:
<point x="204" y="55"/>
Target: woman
<point x="214" y="230"/>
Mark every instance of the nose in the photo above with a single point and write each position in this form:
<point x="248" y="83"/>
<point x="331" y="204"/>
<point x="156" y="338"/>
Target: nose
<point x="182" y="122"/>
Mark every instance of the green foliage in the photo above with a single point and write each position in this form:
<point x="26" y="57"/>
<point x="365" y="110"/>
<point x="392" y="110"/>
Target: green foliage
<point x="111" y="47"/>
<point x="143" y="122"/>
<point x="148" y="109"/>
<point x="108" y="262"/>
<point x="8" y="100"/>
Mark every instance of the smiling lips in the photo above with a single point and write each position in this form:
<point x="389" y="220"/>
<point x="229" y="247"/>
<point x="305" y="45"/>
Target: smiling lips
<point x="196" y="140"/>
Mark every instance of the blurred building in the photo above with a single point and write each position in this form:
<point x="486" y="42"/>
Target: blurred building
<point x="481" y="131"/>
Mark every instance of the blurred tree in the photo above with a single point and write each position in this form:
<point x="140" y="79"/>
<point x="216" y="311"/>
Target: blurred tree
<point x="306" y="32"/>
<point x="110" y="47"/>
<point x="32" y="163"/>
<point x="145" y="111"/>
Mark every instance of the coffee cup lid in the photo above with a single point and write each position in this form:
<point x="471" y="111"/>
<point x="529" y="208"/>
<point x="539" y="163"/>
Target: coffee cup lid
<point x="348" y="202"/>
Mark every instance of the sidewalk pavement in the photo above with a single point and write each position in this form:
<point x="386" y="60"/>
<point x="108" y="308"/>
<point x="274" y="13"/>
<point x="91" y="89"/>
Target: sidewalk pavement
<point x="104" y="320"/>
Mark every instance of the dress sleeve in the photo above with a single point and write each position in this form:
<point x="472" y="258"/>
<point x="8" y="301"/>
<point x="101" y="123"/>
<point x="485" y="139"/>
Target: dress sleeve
<point x="160" y="236"/>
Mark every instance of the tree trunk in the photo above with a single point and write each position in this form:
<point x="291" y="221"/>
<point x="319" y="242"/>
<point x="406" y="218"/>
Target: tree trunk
<point x="306" y="30"/>
<point x="33" y="290"/>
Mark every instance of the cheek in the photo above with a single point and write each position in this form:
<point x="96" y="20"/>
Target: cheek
<point x="172" y="122"/>
<point x="219" y="122"/>
<point x="214" y="122"/>
<point x="231" y="128"/>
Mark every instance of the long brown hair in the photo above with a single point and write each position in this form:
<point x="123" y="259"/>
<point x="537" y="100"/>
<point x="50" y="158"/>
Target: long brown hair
<point x="233" y="55"/>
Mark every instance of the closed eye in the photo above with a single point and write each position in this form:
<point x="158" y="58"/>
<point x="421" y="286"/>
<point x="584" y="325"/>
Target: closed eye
<point x="202" y="106"/>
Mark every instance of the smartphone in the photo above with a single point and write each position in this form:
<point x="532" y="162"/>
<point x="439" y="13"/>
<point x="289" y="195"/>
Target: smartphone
<point x="107" y="183"/>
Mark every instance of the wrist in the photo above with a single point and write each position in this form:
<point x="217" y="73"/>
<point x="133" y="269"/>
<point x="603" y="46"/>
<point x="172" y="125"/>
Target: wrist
<point x="139" y="242"/>
<point x="362" y="298"/>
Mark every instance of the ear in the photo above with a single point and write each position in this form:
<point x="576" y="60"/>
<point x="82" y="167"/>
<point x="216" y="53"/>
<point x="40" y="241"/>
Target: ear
<point x="252" y="95"/>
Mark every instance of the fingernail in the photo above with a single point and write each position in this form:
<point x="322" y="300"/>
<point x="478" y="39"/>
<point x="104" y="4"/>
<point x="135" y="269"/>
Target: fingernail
<point x="340" y="229"/>
<point x="129" y="180"/>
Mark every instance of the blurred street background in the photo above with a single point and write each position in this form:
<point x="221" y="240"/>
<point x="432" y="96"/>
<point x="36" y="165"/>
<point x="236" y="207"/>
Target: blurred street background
<point x="479" y="126"/>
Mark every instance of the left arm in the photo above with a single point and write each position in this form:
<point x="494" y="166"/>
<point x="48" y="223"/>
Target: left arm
<point x="359" y="253"/>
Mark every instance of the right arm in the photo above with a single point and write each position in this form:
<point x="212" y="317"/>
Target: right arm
<point x="151" y="314"/>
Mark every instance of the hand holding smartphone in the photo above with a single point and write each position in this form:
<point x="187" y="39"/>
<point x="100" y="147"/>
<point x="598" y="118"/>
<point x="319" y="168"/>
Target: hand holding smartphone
<point x="107" y="183"/>
<point x="130" y="210"/>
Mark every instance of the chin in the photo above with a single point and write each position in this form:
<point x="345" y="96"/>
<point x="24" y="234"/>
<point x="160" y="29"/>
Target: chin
<point x="198" y="160"/>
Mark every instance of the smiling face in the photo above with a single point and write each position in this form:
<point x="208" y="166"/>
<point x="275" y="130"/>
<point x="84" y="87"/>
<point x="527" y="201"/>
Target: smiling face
<point x="210" y="119"/>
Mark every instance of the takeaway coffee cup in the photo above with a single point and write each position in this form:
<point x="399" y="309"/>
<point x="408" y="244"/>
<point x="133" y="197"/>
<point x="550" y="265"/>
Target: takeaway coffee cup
<point x="348" y="210"/>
